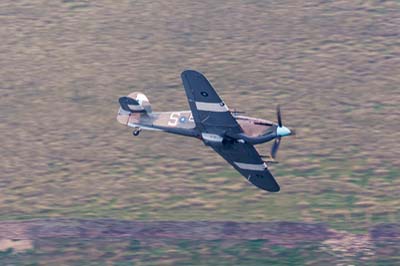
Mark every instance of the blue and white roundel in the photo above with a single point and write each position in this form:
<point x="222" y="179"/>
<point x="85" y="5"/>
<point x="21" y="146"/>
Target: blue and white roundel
<point x="182" y="119"/>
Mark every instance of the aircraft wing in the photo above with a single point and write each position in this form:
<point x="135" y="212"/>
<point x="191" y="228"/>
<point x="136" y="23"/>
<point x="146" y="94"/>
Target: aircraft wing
<point x="209" y="112"/>
<point x="246" y="160"/>
<point x="211" y="115"/>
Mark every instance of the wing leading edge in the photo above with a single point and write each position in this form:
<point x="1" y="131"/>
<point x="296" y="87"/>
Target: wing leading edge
<point x="210" y="113"/>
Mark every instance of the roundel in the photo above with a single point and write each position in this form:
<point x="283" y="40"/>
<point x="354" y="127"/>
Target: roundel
<point x="204" y="93"/>
<point x="182" y="119"/>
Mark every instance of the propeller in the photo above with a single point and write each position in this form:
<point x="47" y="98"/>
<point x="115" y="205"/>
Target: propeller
<point x="281" y="131"/>
<point x="275" y="147"/>
<point x="278" y="114"/>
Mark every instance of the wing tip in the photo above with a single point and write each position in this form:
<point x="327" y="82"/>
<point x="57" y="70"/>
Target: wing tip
<point x="270" y="187"/>
<point x="189" y="72"/>
<point x="266" y="182"/>
<point x="274" y="189"/>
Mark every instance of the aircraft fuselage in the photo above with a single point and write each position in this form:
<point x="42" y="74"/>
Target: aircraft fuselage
<point x="182" y="123"/>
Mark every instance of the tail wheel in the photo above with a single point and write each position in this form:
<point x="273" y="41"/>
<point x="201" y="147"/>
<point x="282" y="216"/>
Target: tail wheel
<point x="136" y="132"/>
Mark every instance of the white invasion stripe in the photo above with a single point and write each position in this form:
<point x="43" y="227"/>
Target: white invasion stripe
<point x="212" y="137"/>
<point x="144" y="127"/>
<point x="212" y="107"/>
<point x="250" y="166"/>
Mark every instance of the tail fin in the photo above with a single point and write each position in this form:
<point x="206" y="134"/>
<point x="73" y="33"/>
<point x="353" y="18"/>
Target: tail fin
<point x="135" y="103"/>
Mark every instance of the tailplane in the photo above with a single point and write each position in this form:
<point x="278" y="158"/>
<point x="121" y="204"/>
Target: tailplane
<point x="135" y="102"/>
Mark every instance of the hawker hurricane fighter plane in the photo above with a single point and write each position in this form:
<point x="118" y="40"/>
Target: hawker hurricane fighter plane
<point x="228" y="133"/>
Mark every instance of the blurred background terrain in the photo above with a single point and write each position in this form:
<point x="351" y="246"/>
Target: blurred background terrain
<point x="333" y="65"/>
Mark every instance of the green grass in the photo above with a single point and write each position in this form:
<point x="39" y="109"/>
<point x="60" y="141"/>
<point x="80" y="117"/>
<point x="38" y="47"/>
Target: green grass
<point x="187" y="252"/>
<point x="224" y="195"/>
<point x="64" y="155"/>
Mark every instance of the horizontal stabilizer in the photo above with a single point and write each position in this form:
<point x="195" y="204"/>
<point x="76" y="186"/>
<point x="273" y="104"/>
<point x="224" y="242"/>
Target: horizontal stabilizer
<point x="130" y="105"/>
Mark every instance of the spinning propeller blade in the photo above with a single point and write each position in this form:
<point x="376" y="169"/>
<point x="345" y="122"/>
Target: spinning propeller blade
<point x="275" y="147"/>
<point x="281" y="131"/>
<point x="278" y="114"/>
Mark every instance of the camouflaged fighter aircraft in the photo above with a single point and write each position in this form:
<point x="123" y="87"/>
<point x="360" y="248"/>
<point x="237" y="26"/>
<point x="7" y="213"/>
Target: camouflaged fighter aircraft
<point x="231" y="135"/>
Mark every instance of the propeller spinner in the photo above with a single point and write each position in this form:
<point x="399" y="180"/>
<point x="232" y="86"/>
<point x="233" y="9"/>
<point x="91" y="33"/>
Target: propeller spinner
<point x="281" y="131"/>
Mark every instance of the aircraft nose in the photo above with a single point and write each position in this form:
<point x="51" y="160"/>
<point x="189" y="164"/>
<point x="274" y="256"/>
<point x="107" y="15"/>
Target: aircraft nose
<point x="283" y="131"/>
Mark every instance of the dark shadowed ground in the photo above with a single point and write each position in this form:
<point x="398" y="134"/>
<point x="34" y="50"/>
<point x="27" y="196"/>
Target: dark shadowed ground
<point x="180" y="243"/>
<point x="333" y="65"/>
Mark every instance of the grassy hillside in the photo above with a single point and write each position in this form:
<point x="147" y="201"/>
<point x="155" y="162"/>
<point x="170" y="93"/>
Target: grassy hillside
<point x="334" y="65"/>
